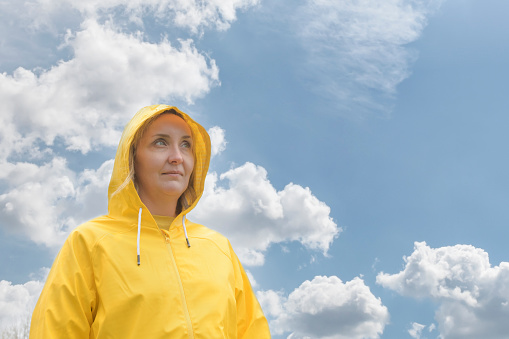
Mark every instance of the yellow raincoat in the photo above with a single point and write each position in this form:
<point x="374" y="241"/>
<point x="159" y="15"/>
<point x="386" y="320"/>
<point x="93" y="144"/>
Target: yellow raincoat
<point x="96" y="289"/>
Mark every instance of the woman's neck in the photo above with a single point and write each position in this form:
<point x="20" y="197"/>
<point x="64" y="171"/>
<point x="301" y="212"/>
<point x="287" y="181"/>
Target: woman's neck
<point x="165" y="206"/>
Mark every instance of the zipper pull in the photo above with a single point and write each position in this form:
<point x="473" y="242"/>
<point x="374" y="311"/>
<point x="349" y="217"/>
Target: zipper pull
<point x="166" y="237"/>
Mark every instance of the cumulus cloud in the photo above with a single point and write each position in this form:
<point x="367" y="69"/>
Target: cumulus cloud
<point x="271" y="302"/>
<point x="46" y="202"/>
<point x="358" y="47"/>
<point x="32" y="206"/>
<point x="91" y="193"/>
<point x="325" y="307"/>
<point x="254" y="215"/>
<point x="16" y="305"/>
<point x="87" y="99"/>
<point x="194" y="15"/>
<point x="473" y="295"/>
<point x="217" y="140"/>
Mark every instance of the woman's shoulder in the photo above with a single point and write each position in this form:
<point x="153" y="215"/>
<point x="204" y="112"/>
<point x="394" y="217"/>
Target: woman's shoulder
<point x="95" y="229"/>
<point x="199" y="231"/>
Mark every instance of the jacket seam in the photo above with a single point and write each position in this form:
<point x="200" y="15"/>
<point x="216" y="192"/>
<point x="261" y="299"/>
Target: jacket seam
<point x="101" y="238"/>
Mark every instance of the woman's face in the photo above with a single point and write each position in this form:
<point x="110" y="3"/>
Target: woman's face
<point x="164" y="160"/>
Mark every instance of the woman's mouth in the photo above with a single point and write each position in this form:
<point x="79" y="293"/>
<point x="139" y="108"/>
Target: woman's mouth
<point x="172" y="173"/>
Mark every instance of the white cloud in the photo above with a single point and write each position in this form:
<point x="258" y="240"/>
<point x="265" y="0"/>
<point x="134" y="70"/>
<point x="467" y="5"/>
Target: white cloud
<point x="357" y="48"/>
<point x="325" y="307"/>
<point x="217" y="140"/>
<point x="91" y="193"/>
<point x="46" y="202"/>
<point x="443" y="273"/>
<point x="254" y="215"/>
<point x="473" y="295"/>
<point x="416" y="330"/>
<point x="194" y="15"/>
<point x="33" y="205"/>
<point x="271" y="302"/>
<point x="88" y="99"/>
<point x="16" y="304"/>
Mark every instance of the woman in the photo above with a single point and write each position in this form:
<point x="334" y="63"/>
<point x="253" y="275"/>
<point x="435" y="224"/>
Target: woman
<point x="143" y="270"/>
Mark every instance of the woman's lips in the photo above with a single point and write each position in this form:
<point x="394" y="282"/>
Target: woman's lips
<point x="173" y="173"/>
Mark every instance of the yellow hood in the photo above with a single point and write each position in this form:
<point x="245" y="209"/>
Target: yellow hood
<point x="126" y="202"/>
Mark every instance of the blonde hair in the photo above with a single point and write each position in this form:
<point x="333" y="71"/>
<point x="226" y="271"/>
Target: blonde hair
<point x="189" y="195"/>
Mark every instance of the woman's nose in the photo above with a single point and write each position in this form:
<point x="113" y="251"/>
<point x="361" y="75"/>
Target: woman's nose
<point x="175" y="155"/>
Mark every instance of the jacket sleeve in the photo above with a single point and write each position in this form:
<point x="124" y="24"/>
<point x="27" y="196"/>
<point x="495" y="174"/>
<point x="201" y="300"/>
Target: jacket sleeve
<point x="251" y="323"/>
<point x="66" y="306"/>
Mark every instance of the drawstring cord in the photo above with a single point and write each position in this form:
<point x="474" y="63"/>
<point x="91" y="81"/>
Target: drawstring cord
<point x="185" y="231"/>
<point x="139" y="229"/>
<point x="138" y="238"/>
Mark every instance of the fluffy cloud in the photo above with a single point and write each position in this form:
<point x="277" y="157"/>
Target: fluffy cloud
<point x="194" y="15"/>
<point x="91" y="193"/>
<point x="87" y="99"/>
<point x="45" y="202"/>
<point x="217" y="140"/>
<point x="358" y="47"/>
<point x="473" y="295"/>
<point x="16" y="305"/>
<point x="325" y="307"/>
<point x="32" y="205"/>
<point x="253" y="214"/>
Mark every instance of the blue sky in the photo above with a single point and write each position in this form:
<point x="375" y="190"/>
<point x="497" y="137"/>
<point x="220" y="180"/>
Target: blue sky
<point x="363" y="142"/>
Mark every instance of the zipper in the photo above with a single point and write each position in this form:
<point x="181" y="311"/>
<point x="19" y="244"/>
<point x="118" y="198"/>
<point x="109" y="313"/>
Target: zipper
<point x="182" y="295"/>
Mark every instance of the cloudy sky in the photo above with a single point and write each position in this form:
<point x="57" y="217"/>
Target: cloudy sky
<point x="360" y="148"/>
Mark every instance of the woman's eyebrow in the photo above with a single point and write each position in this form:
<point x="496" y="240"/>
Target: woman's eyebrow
<point x="169" y="137"/>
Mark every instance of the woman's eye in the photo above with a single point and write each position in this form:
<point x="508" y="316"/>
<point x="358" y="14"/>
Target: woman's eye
<point x="186" y="144"/>
<point x="160" y="142"/>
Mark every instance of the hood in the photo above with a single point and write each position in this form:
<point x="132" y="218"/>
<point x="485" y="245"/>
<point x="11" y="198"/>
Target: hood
<point x="126" y="202"/>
